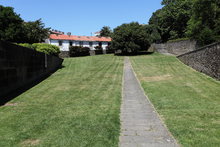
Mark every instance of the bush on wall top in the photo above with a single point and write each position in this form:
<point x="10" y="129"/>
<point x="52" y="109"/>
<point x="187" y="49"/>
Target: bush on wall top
<point x="27" y="45"/>
<point x="179" y="39"/>
<point x="44" y="48"/>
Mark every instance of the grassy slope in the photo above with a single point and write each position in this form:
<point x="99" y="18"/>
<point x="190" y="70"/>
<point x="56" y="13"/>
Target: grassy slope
<point x="188" y="101"/>
<point x="76" y="106"/>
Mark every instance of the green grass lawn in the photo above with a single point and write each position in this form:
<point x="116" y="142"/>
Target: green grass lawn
<point x="188" y="101"/>
<point x="78" y="105"/>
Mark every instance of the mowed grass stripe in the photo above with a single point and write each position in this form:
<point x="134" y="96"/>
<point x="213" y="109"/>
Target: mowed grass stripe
<point x="188" y="101"/>
<point x="76" y="106"/>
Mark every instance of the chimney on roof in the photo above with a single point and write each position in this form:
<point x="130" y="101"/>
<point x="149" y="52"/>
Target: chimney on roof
<point x="69" y="33"/>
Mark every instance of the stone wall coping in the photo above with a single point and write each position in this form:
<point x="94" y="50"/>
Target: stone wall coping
<point x="200" y="49"/>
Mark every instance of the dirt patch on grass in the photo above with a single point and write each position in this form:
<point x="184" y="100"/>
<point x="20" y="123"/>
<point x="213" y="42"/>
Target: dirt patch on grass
<point x="216" y="122"/>
<point x="110" y="76"/>
<point x="157" y="78"/>
<point x="194" y="87"/>
<point x="82" y="87"/>
<point x="30" y="142"/>
<point x="62" y="88"/>
<point x="11" y="104"/>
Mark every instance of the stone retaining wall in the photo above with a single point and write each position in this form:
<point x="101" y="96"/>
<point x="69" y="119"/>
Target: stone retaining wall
<point x="64" y="54"/>
<point x="175" y="48"/>
<point x="205" y="59"/>
<point x="20" y="66"/>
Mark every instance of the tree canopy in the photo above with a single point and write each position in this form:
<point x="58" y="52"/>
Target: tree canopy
<point x="105" y="31"/>
<point x="11" y="25"/>
<point x="14" y="29"/>
<point x="131" y="38"/>
<point x="35" y="31"/>
<point x="196" y="19"/>
<point x="171" y="20"/>
<point x="204" y="24"/>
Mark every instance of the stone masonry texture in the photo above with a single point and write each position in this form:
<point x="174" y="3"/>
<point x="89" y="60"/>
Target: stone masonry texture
<point x="175" y="48"/>
<point x="205" y="60"/>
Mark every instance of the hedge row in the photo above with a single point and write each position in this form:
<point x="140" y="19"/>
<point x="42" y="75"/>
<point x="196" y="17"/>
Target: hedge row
<point x="98" y="50"/>
<point x="109" y="50"/>
<point x="75" y="51"/>
<point x="42" y="47"/>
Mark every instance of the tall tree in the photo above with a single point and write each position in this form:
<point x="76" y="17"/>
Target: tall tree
<point x="14" y="29"/>
<point x="156" y="22"/>
<point x="204" y="24"/>
<point x="172" y="19"/>
<point x="130" y="38"/>
<point x="105" y="31"/>
<point x="10" y="25"/>
<point x="153" y="31"/>
<point x="35" y="31"/>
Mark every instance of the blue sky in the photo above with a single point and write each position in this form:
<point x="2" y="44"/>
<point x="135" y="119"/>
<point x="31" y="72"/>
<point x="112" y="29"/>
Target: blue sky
<point x="81" y="17"/>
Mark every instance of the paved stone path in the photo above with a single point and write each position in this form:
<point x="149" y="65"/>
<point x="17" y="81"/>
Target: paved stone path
<point x="140" y="124"/>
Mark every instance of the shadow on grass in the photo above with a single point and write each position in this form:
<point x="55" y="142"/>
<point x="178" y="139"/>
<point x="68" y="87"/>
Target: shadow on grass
<point x="14" y="93"/>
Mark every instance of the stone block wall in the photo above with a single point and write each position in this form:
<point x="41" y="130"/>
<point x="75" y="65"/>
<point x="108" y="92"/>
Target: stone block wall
<point x="175" y="48"/>
<point x="64" y="54"/>
<point x="20" y="66"/>
<point x="205" y="59"/>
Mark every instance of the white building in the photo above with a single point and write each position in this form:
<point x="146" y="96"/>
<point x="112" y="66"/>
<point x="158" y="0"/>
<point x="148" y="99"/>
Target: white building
<point x="65" y="41"/>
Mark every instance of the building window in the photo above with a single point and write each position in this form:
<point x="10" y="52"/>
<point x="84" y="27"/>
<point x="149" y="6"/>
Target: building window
<point x="81" y="43"/>
<point x="60" y="43"/>
<point x="90" y="44"/>
<point x="109" y="43"/>
<point x="100" y="44"/>
<point x="71" y="43"/>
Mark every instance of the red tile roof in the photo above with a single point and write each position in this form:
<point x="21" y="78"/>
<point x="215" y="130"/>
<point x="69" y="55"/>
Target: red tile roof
<point x="79" y="38"/>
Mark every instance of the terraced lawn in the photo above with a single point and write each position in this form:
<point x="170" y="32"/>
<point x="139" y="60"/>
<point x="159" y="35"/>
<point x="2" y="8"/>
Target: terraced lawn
<point x="188" y="101"/>
<point x="78" y="105"/>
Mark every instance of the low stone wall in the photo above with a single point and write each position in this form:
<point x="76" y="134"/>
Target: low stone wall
<point x="205" y="59"/>
<point x="175" y="48"/>
<point x="20" y="66"/>
<point x="64" y="54"/>
<point x="92" y="53"/>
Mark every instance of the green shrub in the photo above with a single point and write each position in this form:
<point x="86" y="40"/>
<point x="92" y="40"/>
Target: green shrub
<point x="42" y="47"/>
<point x="73" y="50"/>
<point x="217" y="38"/>
<point x="85" y="50"/>
<point x="76" y="51"/>
<point x="179" y="39"/>
<point x="46" y="48"/>
<point x="131" y="38"/>
<point x="26" y="45"/>
<point x="109" y="50"/>
<point x="98" y="50"/>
